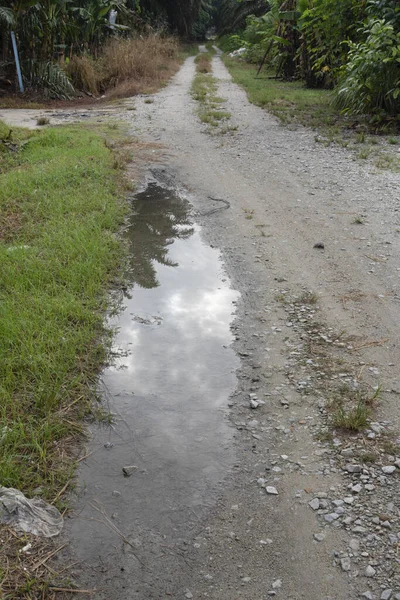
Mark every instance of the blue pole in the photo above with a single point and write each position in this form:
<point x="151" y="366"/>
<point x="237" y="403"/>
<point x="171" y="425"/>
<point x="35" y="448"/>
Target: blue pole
<point x="14" y="44"/>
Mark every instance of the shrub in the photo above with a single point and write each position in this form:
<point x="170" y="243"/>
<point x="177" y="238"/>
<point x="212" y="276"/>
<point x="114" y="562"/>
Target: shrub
<point x="370" y="81"/>
<point x="230" y="43"/>
<point x="49" y="78"/>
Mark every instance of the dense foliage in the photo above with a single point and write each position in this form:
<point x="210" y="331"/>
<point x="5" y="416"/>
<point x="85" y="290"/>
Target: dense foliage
<point x="352" y="46"/>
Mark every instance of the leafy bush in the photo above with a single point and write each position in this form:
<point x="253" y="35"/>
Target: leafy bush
<point x="230" y="43"/>
<point x="49" y="78"/>
<point x="370" y="81"/>
<point x="324" y="24"/>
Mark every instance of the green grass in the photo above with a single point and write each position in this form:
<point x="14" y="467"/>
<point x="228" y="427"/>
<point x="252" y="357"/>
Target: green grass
<point x="59" y="215"/>
<point x="291" y="102"/>
<point x="204" y="89"/>
<point x="352" y="419"/>
<point x="210" y="47"/>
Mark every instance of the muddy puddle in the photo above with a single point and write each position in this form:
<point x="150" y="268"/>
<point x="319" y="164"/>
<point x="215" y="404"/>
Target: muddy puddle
<point x="167" y="390"/>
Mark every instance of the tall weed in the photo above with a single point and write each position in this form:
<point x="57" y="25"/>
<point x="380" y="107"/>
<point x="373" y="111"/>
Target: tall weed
<point x="126" y="66"/>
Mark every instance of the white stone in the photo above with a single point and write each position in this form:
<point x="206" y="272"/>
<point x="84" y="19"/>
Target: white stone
<point x="370" y="571"/>
<point x="345" y="563"/>
<point x="277" y="584"/>
<point x="314" y="504"/>
<point x="270" y="489"/>
<point x="354" y="545"/>
<point x="349" y="499"/>
<point x="386" y="594"/>
<point x="389" y="469"/>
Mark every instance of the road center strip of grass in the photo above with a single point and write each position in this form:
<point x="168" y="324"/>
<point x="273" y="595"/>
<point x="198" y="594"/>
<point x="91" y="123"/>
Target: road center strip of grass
<point x="204" y="89"/>
<point x="61" y="207"/>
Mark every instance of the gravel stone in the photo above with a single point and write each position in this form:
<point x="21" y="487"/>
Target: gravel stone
<point x="331" y="517"/>
<point x="370" y="571"/>
<point x="350" y="468"/>
<point x="389" y="469"/>
<point x="345" y="563"/>
<point x="314" y="504"/>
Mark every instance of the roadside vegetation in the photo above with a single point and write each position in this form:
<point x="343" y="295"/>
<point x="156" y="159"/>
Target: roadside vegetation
<point x="290" y="101"/>
<point x="60" y="211"/>
<point x="92" y="47"/>
<point x="349" y="47"/>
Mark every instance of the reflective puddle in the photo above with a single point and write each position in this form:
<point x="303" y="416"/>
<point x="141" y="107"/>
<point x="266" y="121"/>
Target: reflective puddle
<point x="167" y="390"/>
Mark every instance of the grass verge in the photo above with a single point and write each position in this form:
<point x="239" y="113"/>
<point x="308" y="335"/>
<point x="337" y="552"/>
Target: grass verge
<point x="293" y="103"/>
<point x="59" y="215"/>
<point x="204" y="90"/>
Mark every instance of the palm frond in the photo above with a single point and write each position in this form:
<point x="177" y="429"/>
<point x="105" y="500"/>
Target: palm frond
<point x="6" y="16"/>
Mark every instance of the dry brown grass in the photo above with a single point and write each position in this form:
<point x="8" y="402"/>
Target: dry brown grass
<point x="127" y="66"/>
<point x="203" y="63"/>
<point x="85" y="74"/>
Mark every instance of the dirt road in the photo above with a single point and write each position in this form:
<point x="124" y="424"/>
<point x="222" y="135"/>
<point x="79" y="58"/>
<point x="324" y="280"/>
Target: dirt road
<point x="286" y="194"/>
<point x="314" y="325"/>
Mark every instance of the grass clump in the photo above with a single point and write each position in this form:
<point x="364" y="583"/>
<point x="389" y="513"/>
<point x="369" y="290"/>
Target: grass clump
<point x="42" y="121"/>
<point x="352" y="419"/>
<point x="59" y="214"/>
<point x="203" y="63"/>
<point x="352" y="410"/>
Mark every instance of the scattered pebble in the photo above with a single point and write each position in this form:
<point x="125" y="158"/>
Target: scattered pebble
<point x="128" y="471"/>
